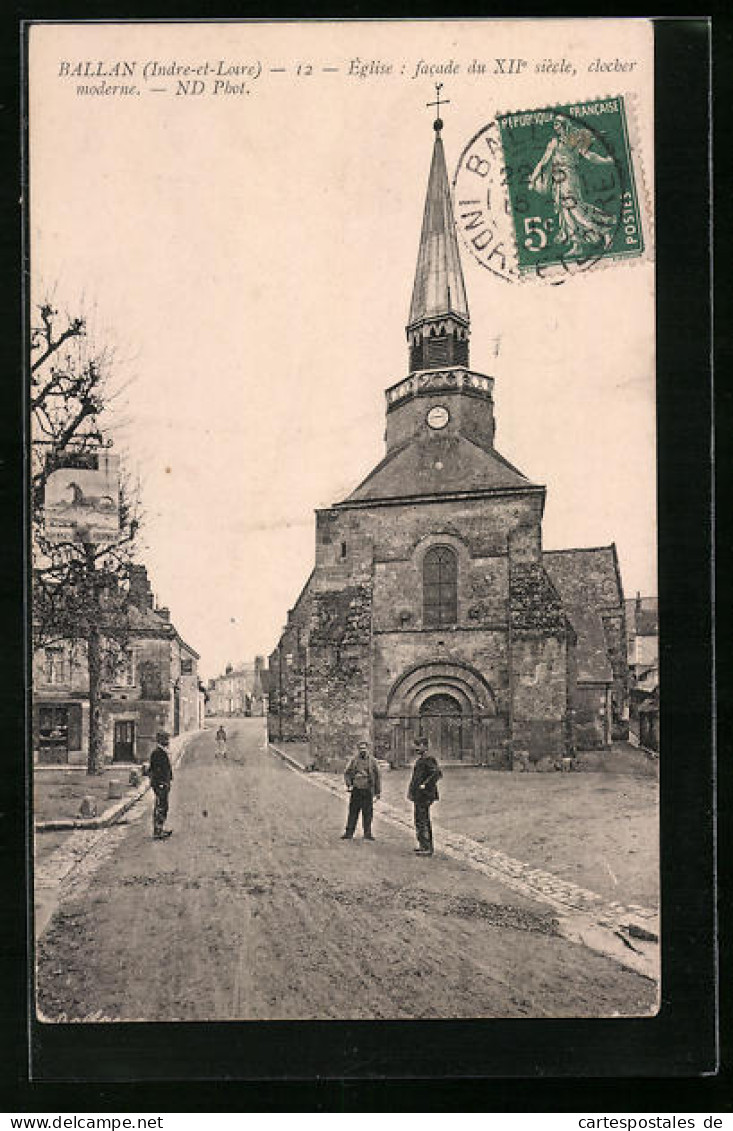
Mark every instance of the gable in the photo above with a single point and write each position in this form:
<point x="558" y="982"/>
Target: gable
<point x="586" y="578"/>
<point x="439" y="465"/>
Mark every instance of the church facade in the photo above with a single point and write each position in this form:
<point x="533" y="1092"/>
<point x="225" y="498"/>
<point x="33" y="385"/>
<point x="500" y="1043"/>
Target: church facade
<point x="432" y="607"/>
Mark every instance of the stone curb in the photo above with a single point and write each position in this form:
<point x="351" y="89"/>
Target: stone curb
<point x="288" y="758"/>
<point x="111" y="815"/>
<point x="581" y="908"/>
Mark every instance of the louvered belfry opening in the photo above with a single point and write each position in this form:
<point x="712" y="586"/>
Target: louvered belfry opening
<point x="434" y="351"/>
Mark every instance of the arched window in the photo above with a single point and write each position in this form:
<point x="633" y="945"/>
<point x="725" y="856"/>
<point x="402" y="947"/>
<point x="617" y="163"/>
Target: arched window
<point x="440" y="587"/>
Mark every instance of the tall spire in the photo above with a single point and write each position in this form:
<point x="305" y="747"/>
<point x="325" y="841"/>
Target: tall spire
<point x="438" y="325"/>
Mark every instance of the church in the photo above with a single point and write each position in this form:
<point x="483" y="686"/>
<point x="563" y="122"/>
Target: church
<point x="432" y="608"/>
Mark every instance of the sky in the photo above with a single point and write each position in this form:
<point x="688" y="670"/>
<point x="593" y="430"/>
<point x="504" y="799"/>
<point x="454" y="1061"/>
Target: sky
<point x="250" y="256"/>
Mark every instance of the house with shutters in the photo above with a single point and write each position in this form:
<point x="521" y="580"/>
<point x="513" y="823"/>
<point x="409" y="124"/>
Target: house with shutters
<point x="152" y="684"/>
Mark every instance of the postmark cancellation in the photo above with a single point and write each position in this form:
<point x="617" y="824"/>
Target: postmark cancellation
<point x="551" y="191"/>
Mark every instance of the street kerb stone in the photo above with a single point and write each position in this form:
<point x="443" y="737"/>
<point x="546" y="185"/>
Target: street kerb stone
<point x="584" y="916"/>
<point x="68" y="871"/>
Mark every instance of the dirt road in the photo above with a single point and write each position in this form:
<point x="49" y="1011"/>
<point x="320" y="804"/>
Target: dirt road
<point x="255" y="908"/>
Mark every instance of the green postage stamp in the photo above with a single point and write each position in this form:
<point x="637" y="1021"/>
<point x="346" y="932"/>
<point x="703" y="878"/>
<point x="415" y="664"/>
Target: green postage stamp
<point x="569" y="177"/>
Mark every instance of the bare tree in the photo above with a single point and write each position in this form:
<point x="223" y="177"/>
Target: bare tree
<point x="80" y="589"/>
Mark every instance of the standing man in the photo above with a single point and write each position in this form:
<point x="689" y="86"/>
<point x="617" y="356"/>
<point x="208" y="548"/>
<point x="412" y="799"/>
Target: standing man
<point x="363" y="781"/>
<point x="423" y="792"/>
<point x="161" y="776"/>
<point x="221" y="743"/>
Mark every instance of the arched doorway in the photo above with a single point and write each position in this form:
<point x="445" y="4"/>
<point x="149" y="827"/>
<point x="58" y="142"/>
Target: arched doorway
<point x="441" y="722"/>
<point x="453" y="705"/>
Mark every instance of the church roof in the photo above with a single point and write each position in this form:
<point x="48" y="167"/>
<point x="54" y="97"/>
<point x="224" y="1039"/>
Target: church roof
<point x="589" y="583"/>
<point x="439" y="287"/>
<point x="438" y="465"/>
<point x="594" y="665"/>
<point x="586" y="577"/>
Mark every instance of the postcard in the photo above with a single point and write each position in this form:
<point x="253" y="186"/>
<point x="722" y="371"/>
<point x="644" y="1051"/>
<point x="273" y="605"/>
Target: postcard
<point x="345" y="620"/>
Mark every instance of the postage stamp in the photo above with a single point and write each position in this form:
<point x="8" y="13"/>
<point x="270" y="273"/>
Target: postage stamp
<point x="557" y="190"/>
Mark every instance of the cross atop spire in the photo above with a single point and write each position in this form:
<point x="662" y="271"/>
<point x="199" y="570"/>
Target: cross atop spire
<point x="438" y="123"/>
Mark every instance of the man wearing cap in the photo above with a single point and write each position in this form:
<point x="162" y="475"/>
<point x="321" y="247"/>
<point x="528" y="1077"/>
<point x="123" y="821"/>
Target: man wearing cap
<point x="363" y="781"/>
<point x="423" y="792"/>
<point x="161" y="776"/>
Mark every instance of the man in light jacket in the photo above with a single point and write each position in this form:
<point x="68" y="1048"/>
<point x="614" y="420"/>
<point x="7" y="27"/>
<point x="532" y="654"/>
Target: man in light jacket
<point x="363" y="781"/>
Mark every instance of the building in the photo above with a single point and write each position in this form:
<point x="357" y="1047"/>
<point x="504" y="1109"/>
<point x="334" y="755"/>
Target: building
<point x="589" y="585"/>
<point x="642" y="623"/>
<point x="432" y="607"/>
<point x="239" y="691"/>
<point x="152" y="684"/>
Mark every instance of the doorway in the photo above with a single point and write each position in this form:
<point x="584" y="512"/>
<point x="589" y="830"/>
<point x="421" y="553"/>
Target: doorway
<point x="441" y="722"/>
<point x="123" y="749"/>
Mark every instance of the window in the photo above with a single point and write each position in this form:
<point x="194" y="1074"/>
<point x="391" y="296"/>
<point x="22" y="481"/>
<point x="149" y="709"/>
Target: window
<point x="124" y="668"/>
<point x="55" y="665"/>
<point x="187" y="667"/>
<point x="440" y="587"/>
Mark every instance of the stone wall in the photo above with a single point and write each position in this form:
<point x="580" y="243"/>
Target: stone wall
<point x="289" y="677"/>
<point x="340" y="702"/>
<point x="592" y="725"/>
<point x="539" y="661"/>
<point x="345" y="536"/>
<point x="482" y="589"/>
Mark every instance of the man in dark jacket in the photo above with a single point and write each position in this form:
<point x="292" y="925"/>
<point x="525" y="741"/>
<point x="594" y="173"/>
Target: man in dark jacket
<point x="423" y="792"/>
<point x="161" y="776"/>
<point x="362" y="779"/>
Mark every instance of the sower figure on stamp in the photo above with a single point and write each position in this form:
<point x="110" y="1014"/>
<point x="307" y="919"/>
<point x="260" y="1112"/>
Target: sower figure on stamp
<point x="581" y="224"/>
<point x="161" y="776"/>
<point x="221" y="743"/>
<point x="363" y="780"/>
<point x="423" y="792"/>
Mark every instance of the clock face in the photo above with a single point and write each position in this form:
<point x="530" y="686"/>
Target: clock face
<point x="438" y="416"/>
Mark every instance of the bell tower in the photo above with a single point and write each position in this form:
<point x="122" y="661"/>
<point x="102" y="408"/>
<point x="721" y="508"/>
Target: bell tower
<point x="440" y="394"/>
<point x="438" y="326"/>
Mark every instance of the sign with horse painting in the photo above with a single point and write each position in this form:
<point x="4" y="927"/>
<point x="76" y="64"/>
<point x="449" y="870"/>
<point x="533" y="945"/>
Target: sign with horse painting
<point x="82" y="504"/>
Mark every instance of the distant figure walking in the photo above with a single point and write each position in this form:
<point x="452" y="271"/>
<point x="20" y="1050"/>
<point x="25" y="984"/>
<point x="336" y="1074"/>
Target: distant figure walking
<point x="161" y="776"/>
<point x="221" y="743"/>
<point x="363" y="781"/>
<point x="423" y="792"/>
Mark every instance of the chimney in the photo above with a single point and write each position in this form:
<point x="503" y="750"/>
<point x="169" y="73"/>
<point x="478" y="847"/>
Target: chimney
<point x="140" y="592"/>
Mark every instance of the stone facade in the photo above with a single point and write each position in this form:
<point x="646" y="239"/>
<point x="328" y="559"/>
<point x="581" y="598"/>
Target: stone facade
<point x="356" y="658"/>
<point x="432" y="607"/>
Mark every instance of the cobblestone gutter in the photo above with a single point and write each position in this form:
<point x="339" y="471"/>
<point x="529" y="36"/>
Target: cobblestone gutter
<point x="628" y="934"/>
